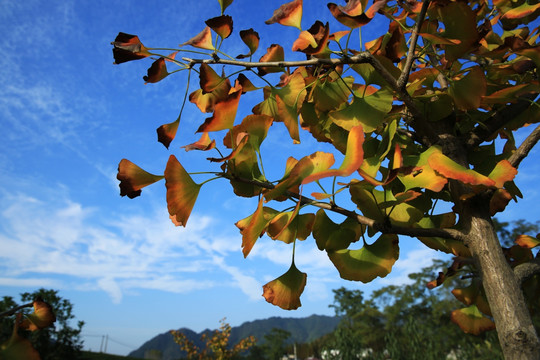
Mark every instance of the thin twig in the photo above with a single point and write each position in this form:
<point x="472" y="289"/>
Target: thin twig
<point x="404" y="77"/>
<point x="384" y="228"/>
<point x="15" y="309"/>
<point x="525" y="147"/>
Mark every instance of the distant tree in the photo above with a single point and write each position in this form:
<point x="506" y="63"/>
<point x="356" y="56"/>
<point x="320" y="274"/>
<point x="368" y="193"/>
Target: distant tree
<point x="53" y="342"/>
<point x="275" y="343"/>
<point x="217" y="345"/>
<point x="423" y="114"/>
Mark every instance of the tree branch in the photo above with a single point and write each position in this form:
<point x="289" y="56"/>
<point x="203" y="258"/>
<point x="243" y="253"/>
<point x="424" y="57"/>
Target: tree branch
<point x="15" y="309"/>
<point x="404" y="77"/>
<point x="499" y="118"/>
<point x="385" y="228"/>
<point x="526" y="270"/>
<point x="526" y="146"/>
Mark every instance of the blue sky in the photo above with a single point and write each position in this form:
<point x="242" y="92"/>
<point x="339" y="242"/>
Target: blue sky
<point x="68" y="116"/>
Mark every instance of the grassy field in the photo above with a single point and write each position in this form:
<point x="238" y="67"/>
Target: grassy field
<point x="87" y="355"/>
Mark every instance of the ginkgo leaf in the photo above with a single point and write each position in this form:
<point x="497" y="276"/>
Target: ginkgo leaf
<point x="203" y="144"/>
<point x="473" y="294"/>
<point x="245" y="83"/>
<point x="42" y="317"/>
<point x="285" y="291"/>
<point x="460" y="24"/>
<point x="527" y="241"/>
<point x="521" y="11"/>
<point x="241" y="141"/>
<point x="316" y="162"/>
<point x="251" y="38"/>
<point x="439" y="40"/>
<point x="352" y="161"/>
<point x="255" y="125"/>
<point x="289" y="14"/>
<point x="452" y="170"/>
<point x="156" y="72"/>
<point x="182" y="192"/>
<point x="224" y="113"/>
<point x="133" y="178"/>
<point x="288" y="226"/>
<point x="202" y="40"/>
<point x="499" y="201"/>
<point x="503" y="172"/>
<point x="423" y="176"/>
<point x="209" y="80"/>
<point x="167" y="132"/>
<point x="368" y="111"/>
<point x="254" y="226"/>
<point x="330" y="236"/>
<point x="17" y="347"/>
<point x="369" y="262"/>
<point x="128" y="47"/>
<point x="206" y="102"/>
<point x="468" y="91"/>
<point x="314" y="40"/>
<point x="354" y="14"/>
<point x="222" y="25"/>
<point x="274" y="53"/>
<point x="224" y="4"/>
<point x="471" y="320"/>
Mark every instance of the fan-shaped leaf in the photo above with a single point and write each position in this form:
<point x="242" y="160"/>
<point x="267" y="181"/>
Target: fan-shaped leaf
<point x="182" y="192"/>
<point x="289" y="14"/>
<point x="369" y="262"/>
<point x="251" y="39"/>
<point x="254" y="226"/>
<point x="202" y="40"/>
<point x="203" y="144"/>
<point x="156" y="72"/>
<point x="128" y="47"/>
<point x="285" y="291"/>
<point x="224" y="113"/>
<point x="133" y="178"/>
<point x="471" y="320"/>
<point x="222" y="25"/>
<point x="167" y="132"/>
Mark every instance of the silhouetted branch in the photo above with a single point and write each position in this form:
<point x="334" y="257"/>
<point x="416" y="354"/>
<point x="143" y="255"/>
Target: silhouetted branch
<point x="15" y="309"/>
<point x="526" y="146"/>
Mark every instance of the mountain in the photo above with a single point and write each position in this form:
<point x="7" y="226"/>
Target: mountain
<point x="302" y="330"/>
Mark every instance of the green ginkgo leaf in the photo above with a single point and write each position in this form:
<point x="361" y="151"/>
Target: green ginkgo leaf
<point x="369" y="262"/>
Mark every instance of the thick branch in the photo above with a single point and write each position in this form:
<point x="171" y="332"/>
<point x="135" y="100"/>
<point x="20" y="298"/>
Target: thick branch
<point x="385" y="228"/>
<point x="497" y="121"/>
<point x="404" y="77"/>
<point x="525" y="147"/>
<point x="526" y="270"/>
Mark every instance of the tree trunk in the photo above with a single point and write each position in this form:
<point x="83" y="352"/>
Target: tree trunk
<point x="517" y="335"/>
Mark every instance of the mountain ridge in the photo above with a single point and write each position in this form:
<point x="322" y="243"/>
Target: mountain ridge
<point x="302" y="330"/>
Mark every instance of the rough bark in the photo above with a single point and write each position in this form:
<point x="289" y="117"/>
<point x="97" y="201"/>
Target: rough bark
<point x="515" y="330"/>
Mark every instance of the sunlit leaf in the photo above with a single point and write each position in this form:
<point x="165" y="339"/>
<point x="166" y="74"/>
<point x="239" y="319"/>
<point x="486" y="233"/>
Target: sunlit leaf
<point x="245" y="83"/>
<point x="473" y="294"/>
<point x="222" y="25"/>
<point x="369" y="262"/>
<point x="288" y="115"/>
<point x="202" y="40"/>
<point x="241" y="141"/>
<point x="439" y="40"/>
<point x="127" y="48"/>
<point x="521" y="11"/>
<point x="206" y="102"/>
<point x="255" y="125"/>
<point x="156" y="72"/>
<point x="449" y="246"/>
<point x="203" y="144"/>
<point x="285" y="291"/>
<point x="251" y="39"/>
<point x="468" y="91"/>
<point x="17" y="347"/>
<point x="471" y="320"/>
<point x="209" y="80"/>
<point x="254" y="226"/>
<point x="274" y="53"/>
<point x="289" y="226"/>
<point x="314" y="40"/>
<point x="368" y="111"/>
<point x="42" y="317"/>
<point x="352" y="161"/>
<point x="337" y="36"/>
<point x="289" y="14"/>
<point x="182" y="192"/>
<point x="133" y="178"/>
<point x="503" y="172"/>
<point x="167" y="132"/>
<point x="316" y="162"/>
<point x="332" y="92"/>
<point x="527" y="241"/>
<point x="423" y="176"/>
<point x="392" y="45"/>
<point x="350" y="15"/>
<point x="224" y="113"/>
<point x="452" y="170"/>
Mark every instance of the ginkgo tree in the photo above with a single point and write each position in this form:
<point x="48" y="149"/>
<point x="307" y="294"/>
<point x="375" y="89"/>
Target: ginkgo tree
<point x="422" y="115"/>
